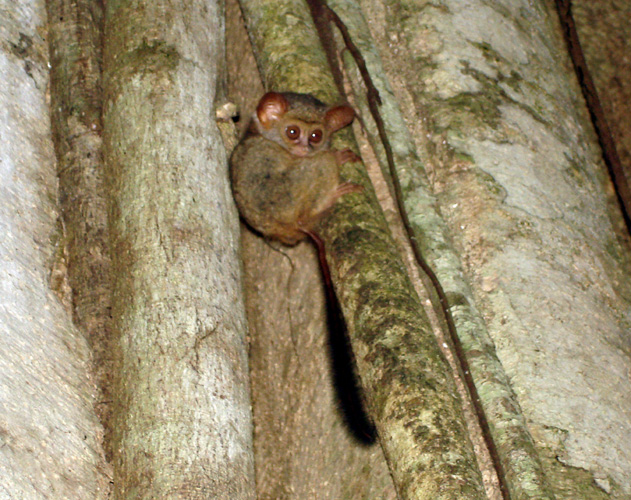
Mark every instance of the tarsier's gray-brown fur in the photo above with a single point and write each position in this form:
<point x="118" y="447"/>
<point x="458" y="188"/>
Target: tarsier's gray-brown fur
<point x="284" y="174"/>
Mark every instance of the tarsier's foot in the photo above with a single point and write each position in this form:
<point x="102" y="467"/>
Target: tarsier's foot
<point x="345" y="155"/>
<point x="339" y="191"/>
<point x="347" y="188"/>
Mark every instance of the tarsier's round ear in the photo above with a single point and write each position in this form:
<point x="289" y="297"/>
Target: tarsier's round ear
<point x="271" y="107"/>
<point x="338" y="117"/>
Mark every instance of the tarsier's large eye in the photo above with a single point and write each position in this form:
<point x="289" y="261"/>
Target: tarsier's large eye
<point x="316" y="136"/>
<point x="293" y="132"/>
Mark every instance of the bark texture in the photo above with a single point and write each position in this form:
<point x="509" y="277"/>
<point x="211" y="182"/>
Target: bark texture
<point x="491" y="95"/>
<point x="75" y="29"/>
<point x="512" y="447"/>
<point x="605" y="35"/>
<point x="51" y="437"/>
<point x="407" y="382"/>
<point x="181" y="411"/>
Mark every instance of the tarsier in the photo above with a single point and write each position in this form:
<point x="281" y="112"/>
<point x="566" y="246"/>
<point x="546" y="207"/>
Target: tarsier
<point x="285" y="176"/>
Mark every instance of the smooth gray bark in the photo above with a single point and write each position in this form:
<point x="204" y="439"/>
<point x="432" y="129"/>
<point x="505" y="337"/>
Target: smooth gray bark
<point x="50" y="435"/>
<point x="182" y="424"/>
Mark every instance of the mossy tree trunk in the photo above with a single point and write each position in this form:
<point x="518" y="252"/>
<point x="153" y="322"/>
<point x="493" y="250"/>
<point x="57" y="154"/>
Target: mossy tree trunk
<point x="491" y="97"/>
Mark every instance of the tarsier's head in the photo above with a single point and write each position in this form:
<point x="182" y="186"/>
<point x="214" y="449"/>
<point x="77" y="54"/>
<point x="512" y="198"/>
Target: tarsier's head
<point x="299" y="122"/>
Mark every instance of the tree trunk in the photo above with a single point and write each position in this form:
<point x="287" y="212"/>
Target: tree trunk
<point x="494" y="105"/>
<point x="51" y="437"/>
<point x="502" y="425"/>
<point x="605" y="37"/>
<point x="182" y="425"/>
<point x="75" y="37"/>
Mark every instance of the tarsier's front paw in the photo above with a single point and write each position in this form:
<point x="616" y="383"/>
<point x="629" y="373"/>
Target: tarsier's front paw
<point x="345" y="155"/>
